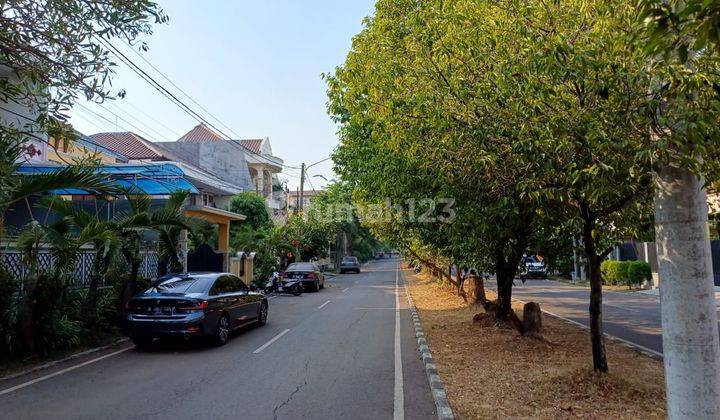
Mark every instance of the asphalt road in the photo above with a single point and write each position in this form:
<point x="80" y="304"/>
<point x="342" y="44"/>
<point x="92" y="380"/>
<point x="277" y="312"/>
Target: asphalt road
<point x="631" y="316"/>
<point x="335" y="360"/>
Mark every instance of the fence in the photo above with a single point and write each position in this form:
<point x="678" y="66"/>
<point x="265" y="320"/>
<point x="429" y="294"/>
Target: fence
<point x="12" y="260"/>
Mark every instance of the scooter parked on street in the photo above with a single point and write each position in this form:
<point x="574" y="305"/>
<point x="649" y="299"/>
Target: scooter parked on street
<point x="277" y="285"/>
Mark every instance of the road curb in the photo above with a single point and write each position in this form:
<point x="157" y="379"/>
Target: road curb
<point x="437" y="388"/>
<point x="64" y="359"/>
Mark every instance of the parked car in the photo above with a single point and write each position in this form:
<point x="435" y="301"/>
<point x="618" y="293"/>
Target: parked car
<point x="533" y="268"/>
<point x="349" y="263"/>
<point x="312" y="277"/>
<point x="188" y="305"/>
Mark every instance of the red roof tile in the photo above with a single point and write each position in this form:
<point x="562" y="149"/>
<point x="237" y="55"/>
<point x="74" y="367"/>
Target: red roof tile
<point x="201" y="132"/>
<point x="128" y="144"/>
<point x="253" y="145"/>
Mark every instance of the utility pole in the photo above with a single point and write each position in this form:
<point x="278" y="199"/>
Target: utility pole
<point x="302" y="185"/>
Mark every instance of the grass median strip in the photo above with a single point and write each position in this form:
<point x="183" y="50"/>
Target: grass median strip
<point x="492" y="373"/>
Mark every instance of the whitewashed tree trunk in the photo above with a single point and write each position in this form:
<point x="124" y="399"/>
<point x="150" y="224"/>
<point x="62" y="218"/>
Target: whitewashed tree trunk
<point x="689" y="322"/>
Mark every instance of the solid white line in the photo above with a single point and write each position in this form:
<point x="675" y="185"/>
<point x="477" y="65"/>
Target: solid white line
<point x="399" y="400"/>
<point x="614" y="337"/>
<point x="272" y="340"/>
<point x="323" y="305"/>
<point x="346" y="289"/>
<point x="60" y="372"/>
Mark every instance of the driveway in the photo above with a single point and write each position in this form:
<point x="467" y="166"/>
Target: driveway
<point x="322" y="355"/>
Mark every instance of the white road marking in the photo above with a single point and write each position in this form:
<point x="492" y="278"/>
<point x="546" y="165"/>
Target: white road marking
<point x="614" y="337"/>
<point x="323" y="305"/>
<point x="346" y="289"/>
<point x="60" y="372"/>
<point x="272" y="340"/>
<point x="399" y="400"/>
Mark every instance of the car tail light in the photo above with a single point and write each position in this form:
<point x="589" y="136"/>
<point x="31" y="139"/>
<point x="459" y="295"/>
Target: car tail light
<point x="199" y="307"/>
<point x="311" y="276"/>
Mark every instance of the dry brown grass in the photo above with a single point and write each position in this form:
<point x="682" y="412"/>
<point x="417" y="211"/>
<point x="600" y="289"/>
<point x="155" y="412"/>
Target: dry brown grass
<point x="492" y="373"/>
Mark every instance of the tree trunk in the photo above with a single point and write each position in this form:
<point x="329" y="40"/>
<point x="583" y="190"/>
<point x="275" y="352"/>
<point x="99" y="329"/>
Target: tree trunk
<point x="593" y="261"/>
<point x="691" y="348"/>
<point x="88" y="310"/>
<point x="505" y="277"/>
<point x="532" y="320"/>
<point x="460" y="280"/>
<point x="26" y="318"/>
<point x="131" y="286"/>
<point x="479" y="292"/>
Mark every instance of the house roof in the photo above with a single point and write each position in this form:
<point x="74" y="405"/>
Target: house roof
<point x="252" y="145"/>
<point x="92" y="145"/>
<point x="201" y="132"/>
<point x="128" y="144"/>
<point x="306" y="193"/>
<point x="147" y="178"/>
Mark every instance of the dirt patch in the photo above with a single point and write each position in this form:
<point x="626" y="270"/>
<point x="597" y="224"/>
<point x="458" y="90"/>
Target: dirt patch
<point x="492" y="373"/>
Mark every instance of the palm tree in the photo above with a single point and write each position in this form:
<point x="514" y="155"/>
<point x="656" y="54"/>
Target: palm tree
<point x="168" y="221"/>
<point x="58" y="236"/>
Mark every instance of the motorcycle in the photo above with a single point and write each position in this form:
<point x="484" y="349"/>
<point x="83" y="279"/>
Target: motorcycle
<point x="276" y="284"/>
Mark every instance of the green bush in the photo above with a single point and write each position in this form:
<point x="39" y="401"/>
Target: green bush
<point x="610" y="271"/>
<point x="9" y="289"/>
<point x="631" y="273"/>
<point x="638" y="272"/>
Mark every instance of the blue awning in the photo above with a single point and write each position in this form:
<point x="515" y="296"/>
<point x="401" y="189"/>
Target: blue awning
<point x="150" y="179"/>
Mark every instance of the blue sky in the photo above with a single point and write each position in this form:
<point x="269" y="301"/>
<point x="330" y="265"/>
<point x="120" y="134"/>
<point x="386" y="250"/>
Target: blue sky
<point x="255" y="65"/>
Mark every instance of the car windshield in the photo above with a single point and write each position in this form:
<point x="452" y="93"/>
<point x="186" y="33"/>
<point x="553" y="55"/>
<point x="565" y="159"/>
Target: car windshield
<point x="349" y="259"/>
<point x="180" y="285"/>
<point x="300" y="267"/>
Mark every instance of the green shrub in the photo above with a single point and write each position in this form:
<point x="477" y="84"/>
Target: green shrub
<point x="9" y="289"/>
<point x="610" y="271"/>
<point x="631" y="273"/>
<point x="638" y="272"/>
<point x="55" y="331"/>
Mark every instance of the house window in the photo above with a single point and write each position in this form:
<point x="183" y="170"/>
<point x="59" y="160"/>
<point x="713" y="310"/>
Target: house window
<point x="208" y="200"/>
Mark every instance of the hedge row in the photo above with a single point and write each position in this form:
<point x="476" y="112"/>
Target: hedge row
<point x="625" y="272"/>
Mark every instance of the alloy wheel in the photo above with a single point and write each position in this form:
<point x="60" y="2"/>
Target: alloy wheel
<point x="223" y="329"/>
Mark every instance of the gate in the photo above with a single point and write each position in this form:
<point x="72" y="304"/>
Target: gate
<point x="205" y="259"/>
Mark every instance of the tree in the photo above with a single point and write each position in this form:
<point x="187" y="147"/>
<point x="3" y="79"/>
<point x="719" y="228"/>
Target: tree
<point x="58" y="51"/>
<point x="253" y="206"/>
<point x="52" y="53"/>
<point x="681" y="41"/>
<point x="532" y="115"/>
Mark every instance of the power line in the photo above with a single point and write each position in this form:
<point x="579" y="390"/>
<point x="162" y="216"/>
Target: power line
<point x="130" y="115"/>
<point x="111" y="123"/>
<point x="169" y="95"/>
<point x="172" y="131"/>
<point x="180" y="89"/>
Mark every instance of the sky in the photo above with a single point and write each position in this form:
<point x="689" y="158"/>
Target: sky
<point x="255" y="65"/>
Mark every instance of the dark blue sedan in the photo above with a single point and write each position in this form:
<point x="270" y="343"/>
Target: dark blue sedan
<point x="193" y="305"/>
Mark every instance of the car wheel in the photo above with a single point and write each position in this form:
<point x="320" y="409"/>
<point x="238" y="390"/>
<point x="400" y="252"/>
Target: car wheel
<point x="141" y="342"/>
<point x="262" y="314"/>
<point x="222" y="332"/>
